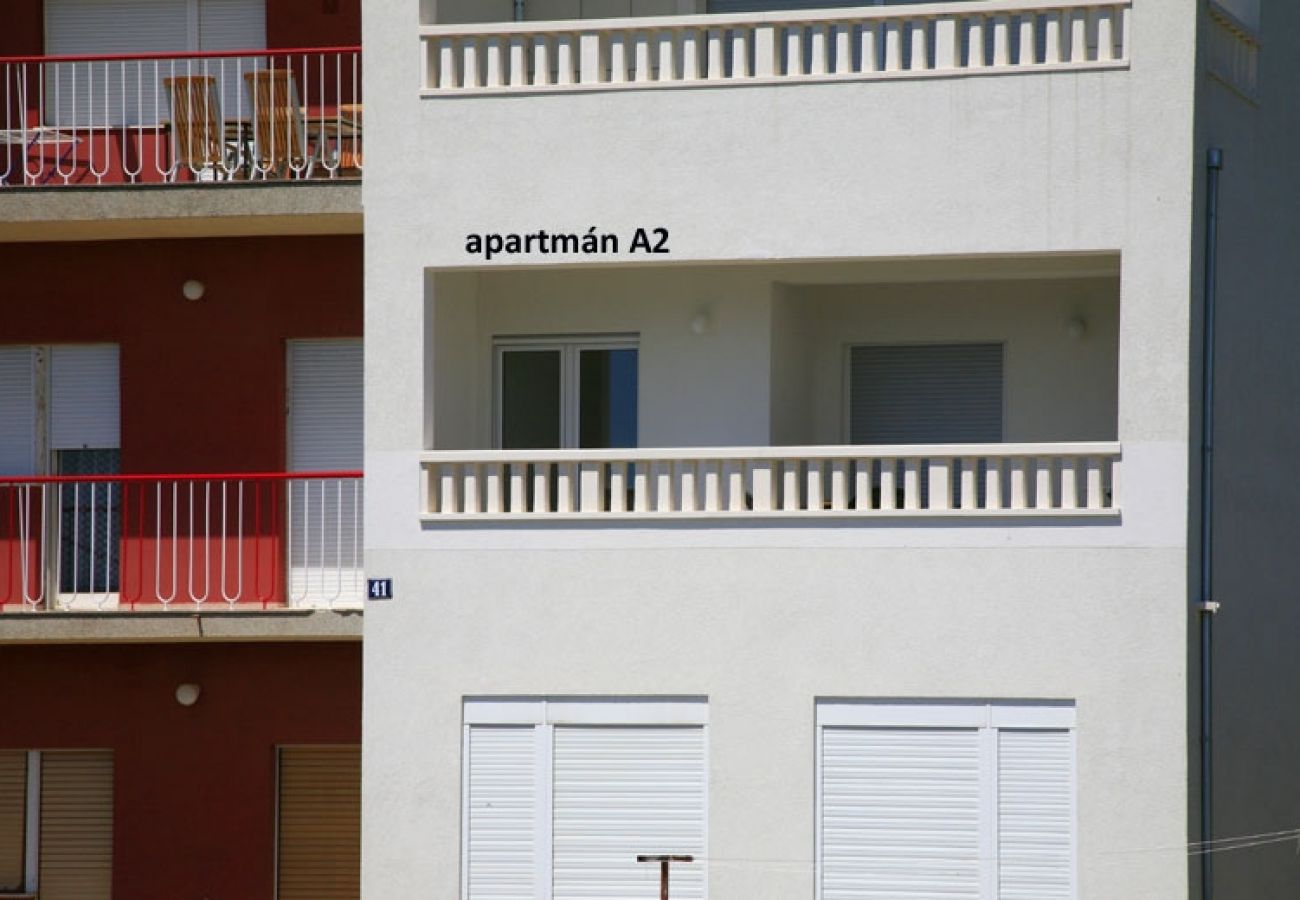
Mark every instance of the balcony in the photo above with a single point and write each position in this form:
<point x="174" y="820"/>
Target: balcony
<point x="987" y="37"/>
<point x="187" y="543"/>
<point x="256" y="116"/>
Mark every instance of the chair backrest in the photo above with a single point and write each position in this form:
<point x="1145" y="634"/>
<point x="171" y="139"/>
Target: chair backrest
<point x="197" y="136"/>
<point x="279" y="131"/>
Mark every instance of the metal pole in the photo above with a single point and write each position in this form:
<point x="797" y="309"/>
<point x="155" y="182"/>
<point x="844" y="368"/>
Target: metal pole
<point x="664" y="860"/>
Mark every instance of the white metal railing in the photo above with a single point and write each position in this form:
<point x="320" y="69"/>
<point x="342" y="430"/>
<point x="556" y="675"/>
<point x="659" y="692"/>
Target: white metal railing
<point x="984" y="37"/>
<point x="941" y="479"/>
<point x="1232" y="52"/>
<point x="165" y="117"/>
<point x="239" y="542"/>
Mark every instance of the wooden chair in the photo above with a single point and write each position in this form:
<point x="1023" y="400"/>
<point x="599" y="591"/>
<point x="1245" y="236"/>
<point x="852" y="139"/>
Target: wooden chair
<point x="197" y="129"/>
<point x="279" y="130"/>
<point x="350" y="155"/>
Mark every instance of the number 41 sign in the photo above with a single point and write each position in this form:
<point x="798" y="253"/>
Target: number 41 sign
<point x="379" y="588"/>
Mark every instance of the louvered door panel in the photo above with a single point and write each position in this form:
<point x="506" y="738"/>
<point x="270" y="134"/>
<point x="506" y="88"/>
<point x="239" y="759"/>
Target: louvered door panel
<point x="76" y="856"/>
<point x="84" y="397"/>
<point x="319" y="845"/>
<point x="1035" y="815"/>
<point x="17" y="411"/>
<point x="13" y="819"/>
<point x="501" y="809"/>
<point x="623" y="791"/>
<point x="900" y="814"/>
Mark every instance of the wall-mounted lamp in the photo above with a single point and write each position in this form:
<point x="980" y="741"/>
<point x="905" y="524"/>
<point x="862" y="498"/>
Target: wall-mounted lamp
<point x="701" y="322"/>
<point x="188" y="694"/>
<point x="1076" y="328"/>
<point x="193" y="289"/>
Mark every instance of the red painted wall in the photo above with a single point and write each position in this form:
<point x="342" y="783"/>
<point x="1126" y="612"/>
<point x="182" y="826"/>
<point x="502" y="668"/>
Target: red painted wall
<point x="23" y="31"/>
<point x="203" y="382"/>
<point x="194" y="788"/>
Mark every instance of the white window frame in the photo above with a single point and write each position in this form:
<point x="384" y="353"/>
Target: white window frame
<point x="545" y="714"/>
<point x="989" y="718"/>
<point x="570" y="348"/>
<point x="32" y="834"/>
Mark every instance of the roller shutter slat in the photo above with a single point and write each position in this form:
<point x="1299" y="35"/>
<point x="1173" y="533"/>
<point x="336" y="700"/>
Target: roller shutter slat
<point x="84" y="397"/>
<point x="1035" y="815"/>
<point x="926" y="394"/>
<point x="319" y="852"/>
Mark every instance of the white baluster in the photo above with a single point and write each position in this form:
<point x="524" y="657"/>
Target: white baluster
<point x="889" y="483"/>
<point x="618" y="487"/>
<point x="715" y="57"/>
<point x="618" y="58"/>
<point x="447" y="492"/>
<point x="862" y="484"/>
<point x="993" y="482"/>
<point x="565" y="60"/>
<point x="1114" y="484"/>
<point x="969" y="467"/>
<point x="790" y="500"/>
<point x="470" y="484"/>
<point x="940" y="483"/>
<point x="1078" y="36"/>
<point x="840" y="484"/>
<point x="893" y="46"/>
<point x="1106" y="34"/>
<point x="1092" y="481"/>
<point x="767" y="58"/>
<point x="1070" y="467"/>
<point x="1001" y="41"/>
<point x="469" y="70"/>
<point x="518" y="488"/>
<point x="843" y="50"/>
<point x="541" y="487"/>
<point x="496" y="64"/>
<point x="947" y="49"/>
<point x="735" y="475"/>
<point x="919" y="41"/>
<point x="691" y="47"/>
<point x="819" y="62"/>
<point x="687" y="486"/>
<point x="591" y="58"/>
<point x="541" y="60"/>
<point x="1028" y="36"/>
<point x="794" y="50"/>
<point x="712" y="474"/>
<point x="591" y="487"/>
<point x="641" y="488"/>
<point x="666" y="49"/>
<point x="975" y="43"/>
<point x="641" y="56"/>
<point x="1122" y="30"/>
<point x="446" y="65"/>
<point x="1053" y="52"/>
<point x="565" y="481"/>
<point x="1043" y="498"/>
<point x="911" y="483"/>
<point x="739" y="53"/>
<point x="518" y="60"/>
<point x="428" y="490"/>
<point x="1019" y="486"/>
<point x="665" y="490"/>
<point x="814" y="494"/>
<point x="762" y="481"/>
<point x="494" y="487"/>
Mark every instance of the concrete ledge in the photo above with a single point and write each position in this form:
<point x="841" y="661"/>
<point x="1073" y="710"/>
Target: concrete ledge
<point x="122" y="212"/>
<point x="180" y="627"/>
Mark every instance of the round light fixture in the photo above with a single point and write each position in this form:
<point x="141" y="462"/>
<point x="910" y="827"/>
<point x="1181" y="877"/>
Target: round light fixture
<point x="193" y="289"/>
<point x="188" y="694"/>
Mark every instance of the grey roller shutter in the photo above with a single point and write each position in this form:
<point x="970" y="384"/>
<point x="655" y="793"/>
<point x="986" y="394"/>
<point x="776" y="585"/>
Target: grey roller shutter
<point x="234" y="25"/>
<point x="17" y="411"/>
<point x="1035" y="815"/>
<point x="318" y="855"/>
<point x="76" y="857"/>
<point x="622" y="791"/>
<point x="744" y="6"/>
<point x="925" y="394"/>
<point x="84" y="398"/>
<point x="501" y="813"/>
<point x="900" y="813"/>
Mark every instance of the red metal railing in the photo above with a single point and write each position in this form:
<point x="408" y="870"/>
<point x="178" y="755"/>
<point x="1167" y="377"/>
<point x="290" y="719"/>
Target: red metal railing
<point x="198" y="117"/>
<point x="248" y="540"/>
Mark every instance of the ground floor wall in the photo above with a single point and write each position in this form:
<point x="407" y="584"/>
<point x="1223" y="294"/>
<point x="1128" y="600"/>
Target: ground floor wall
<point x="763" y="634"/>
<point x="194" y="787"/>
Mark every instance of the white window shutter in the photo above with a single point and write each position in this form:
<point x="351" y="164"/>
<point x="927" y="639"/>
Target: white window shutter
<point x="501" y="813"/>
<point x="84" y="397"/>
<point x="17" y="411"/>
<point x="900" y="813"/>
<point x="1035" y="814"/>
<point x="325" y="411"/>
<point x="623" y="791"/>
<point x="925" y="394"/>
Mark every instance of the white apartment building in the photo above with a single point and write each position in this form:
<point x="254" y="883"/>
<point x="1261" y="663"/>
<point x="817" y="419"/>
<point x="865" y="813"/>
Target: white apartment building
<point x="784" y="440"/>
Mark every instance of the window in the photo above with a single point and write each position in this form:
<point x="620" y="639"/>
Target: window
<point x="973" y="800"/>
<point x="325" y="427"/>
<point x="76" y="93"/>
<point x="566" y="392"/>
<point x="560" y="797"/>
<point x="56" y="823"/>
<point x="61" y="407"/>
<point x="318" y="841"/>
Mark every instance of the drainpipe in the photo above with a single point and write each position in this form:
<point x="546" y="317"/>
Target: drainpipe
<point x="519" y="10"/>
<point x="1207" y="607"/>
